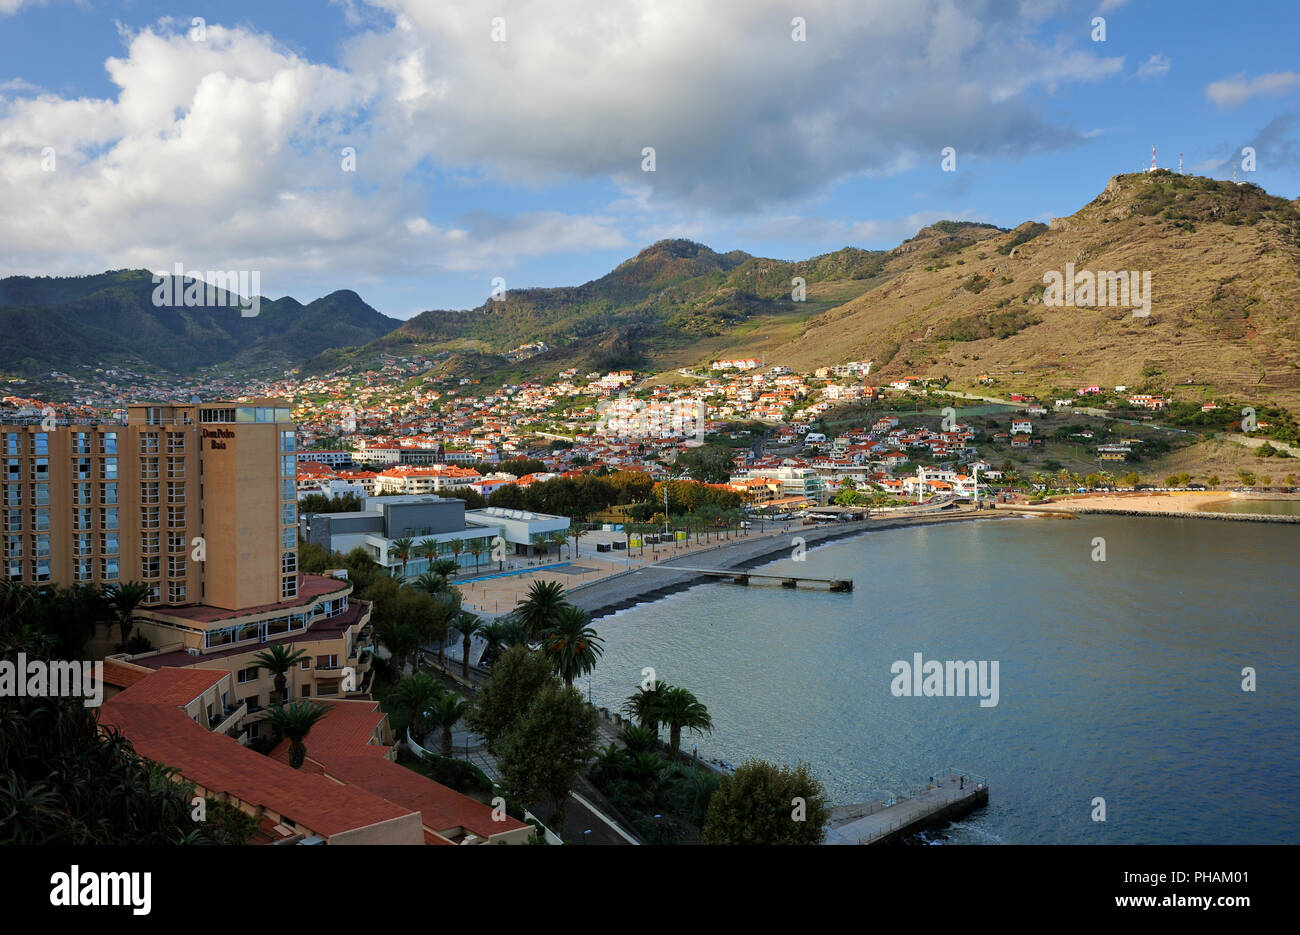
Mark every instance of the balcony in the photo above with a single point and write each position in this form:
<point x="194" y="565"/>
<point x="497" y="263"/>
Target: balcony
<point x="229" y="718"/>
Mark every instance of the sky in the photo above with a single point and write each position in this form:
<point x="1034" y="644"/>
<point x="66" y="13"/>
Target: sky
<point x="417" y="150"/>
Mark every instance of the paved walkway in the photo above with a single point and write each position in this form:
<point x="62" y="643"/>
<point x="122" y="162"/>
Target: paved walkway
<point x="887" y="820"/>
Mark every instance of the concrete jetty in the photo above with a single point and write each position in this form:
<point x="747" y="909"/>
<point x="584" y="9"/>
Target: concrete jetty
<point x="946" y="798"/>
<point x="786" y="581"/>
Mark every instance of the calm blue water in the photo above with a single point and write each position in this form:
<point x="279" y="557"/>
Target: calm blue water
<point x="1118" y="679"/>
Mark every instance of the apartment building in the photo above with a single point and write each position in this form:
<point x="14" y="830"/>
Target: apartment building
<point x="198" y="501"/>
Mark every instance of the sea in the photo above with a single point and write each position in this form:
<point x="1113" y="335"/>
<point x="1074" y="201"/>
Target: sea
<point x="1148" y="674"/>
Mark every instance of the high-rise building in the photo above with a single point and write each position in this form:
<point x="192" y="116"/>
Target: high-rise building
<point x="197" y="501"/>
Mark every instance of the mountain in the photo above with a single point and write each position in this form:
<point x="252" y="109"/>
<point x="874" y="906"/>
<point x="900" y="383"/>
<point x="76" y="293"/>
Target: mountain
<point x="111" y="319"/>
<point x="656" y="309"/>
<point x="1224" y="261"/>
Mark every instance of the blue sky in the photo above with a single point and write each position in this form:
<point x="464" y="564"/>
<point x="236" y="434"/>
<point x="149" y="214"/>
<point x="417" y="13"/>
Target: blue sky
<point x="519" y="154"/>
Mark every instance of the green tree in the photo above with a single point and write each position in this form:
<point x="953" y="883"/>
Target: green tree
<point x="572" y="644"/>
<point x="295" y="722"/>
<point x="517" y="678"/>
<point x="547" y="749"/>
<point x="644" y="704"/>
<point x="467" y="625"/>
<point x="280" y="658"/>
<point x="760" y="804"/>
<point x="402" y="550"/>
<point x="540" y="608"/>
<point x="446" y="713"/>
<point x="412" y="699"/>
<point x="680" y="709"/>
<point x="124" y="599"/>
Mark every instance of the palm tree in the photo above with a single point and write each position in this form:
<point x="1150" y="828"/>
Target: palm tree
<point x="427" y="549"/>
<point x="415" y="696"/>
<point x="468" y="625"/>
<point x="401" y="638"/>
<point x="572" y="644"/>
<point x="447" y="711"/>
<point x="295" y="723"/>
<point x="538" y="610"/>
<point x="644" y="705"/>
<point x="681" y="709"/>
<point x="559" y="538"/>
<point x="496" y="635"/>
<point x="476" y="548"/>
<point x="280" y="658"/>
<point x="446" y="610"/>
<point x="639" y="739"/>
<point x="432" y="583"/>
<point x="609" y="762"/>
<point x="457" y="546"/>
<point x="123" y="599"/>
<point x="400" y="549"/>
<point x="575" y="532"/>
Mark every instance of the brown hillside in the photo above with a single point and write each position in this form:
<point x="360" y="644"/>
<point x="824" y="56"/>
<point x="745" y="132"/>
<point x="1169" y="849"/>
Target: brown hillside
<point x="964" y="300"/>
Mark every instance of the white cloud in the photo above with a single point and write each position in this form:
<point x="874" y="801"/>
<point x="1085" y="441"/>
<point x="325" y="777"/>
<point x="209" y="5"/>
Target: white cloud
<point x="1235" y="91"/>
<point x="1155" y="67"/>
<point x="226" y="153"/>
<point x="11" y="6"/>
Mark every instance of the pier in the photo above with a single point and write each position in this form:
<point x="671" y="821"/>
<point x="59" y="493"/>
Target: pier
<point x="949" y="796"/>
<point x="743" y="577"/>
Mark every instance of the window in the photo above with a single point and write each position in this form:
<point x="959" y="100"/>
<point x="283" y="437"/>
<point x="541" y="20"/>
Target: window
<point x="175" y="542"/>
<point x="149" y="517"/>
<point x="13" y="520"/>
<point x="175" y="443"/>
<point x="288" y="514"/>
<point x="149" y="543"/>
<point x="108" y="569"/>
<point x="81" y="543"/>
<point x="41" y="571"/>
<point x="13" y="494"/>
<point x="288" y="563"/>
<point x="154" y="595"/>
<point x="289" y="537"/>
<point x="108" y="543"/>
<point x="41" y="443"/>
<point x="305" y="664"/>
<point x="12" y="445"/>
<point x="327" y="662"/>
<point x="108" y="492"/>
<point x="287" y="441"/>
<point x="81" y="494"/>
<point x="14" y="569"/>
<point x="287" y="489"/>
<point x="217" y="415"/>
<point x="306" y="691"/>
<point x="40" y="520"/>
<point x="83" y="569"/>
<point x="81" y="443"/>
<point x="148" y="493"/>
<point x="265" y="414"/>
<point x="41" y="547"/>
<point x="288" y="466"/>
<point x="289" y="587"/>
<point x="148" y="468"/>
<point x="175" y="492"/>
<point x="83" y="518"/>
<point x="108" y="443"/>
<point x="40" y="494"/>
<point x="176" y="566"/>
<point x="176" y="592"/>
<point x="175" y="516"/>
<point x="247" y="675"/>
<point x="81" y="469"/>
<point x="40" y="469"/>
<point x="13" y="470"/>
<point x="150" y="566"/>
<point x="108" y="518"/>
<point x="149" y="443"/>
<point x="153" y="415"/>
<point x="110" y="469"/>
<point x="13" y="546"/>
<point x="175" y="467"/>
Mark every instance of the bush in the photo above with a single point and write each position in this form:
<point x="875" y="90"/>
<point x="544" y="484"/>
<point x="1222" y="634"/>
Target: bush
<point x="456" y="774"/>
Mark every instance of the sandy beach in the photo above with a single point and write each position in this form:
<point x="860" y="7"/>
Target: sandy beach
<point x="1188" y="504"/>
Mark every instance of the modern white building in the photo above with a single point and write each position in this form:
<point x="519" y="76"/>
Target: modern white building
<point x="520" y="528"/>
